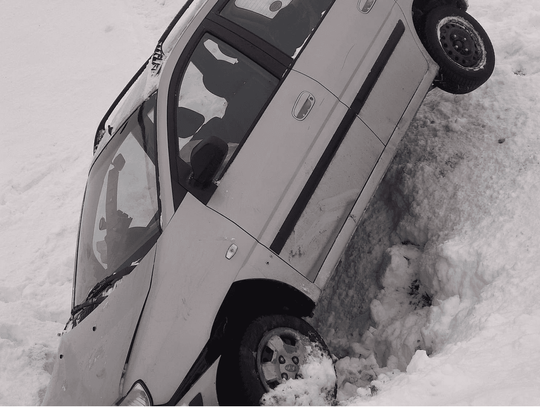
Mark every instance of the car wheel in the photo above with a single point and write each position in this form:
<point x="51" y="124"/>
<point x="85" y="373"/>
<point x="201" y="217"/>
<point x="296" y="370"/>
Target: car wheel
<point x="271" y="350"/>
<point x="461" y="47"/>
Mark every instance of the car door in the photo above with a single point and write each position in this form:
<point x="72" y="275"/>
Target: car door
<point x="282" y="171"/>
<point x="277" y="125"/>
<point x="280" y="165"/>
<point x="364" y="53"/>
<point x="298" y="175"/>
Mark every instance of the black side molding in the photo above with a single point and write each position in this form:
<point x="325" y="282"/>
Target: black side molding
<point x="378" y="67"/>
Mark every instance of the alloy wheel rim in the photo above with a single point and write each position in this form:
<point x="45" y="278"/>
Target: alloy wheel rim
<point x="280" y="355"/>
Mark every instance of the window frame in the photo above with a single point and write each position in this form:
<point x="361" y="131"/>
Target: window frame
<point x="245" y="46"/>
<point x="272" y="50"/>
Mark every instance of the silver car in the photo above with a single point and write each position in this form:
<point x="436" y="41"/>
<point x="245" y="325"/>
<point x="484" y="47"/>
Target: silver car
<point x="226" y="181"/>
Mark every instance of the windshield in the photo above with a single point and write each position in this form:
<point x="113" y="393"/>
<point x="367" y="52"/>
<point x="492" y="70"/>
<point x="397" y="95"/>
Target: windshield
<point x="120" y="219"/>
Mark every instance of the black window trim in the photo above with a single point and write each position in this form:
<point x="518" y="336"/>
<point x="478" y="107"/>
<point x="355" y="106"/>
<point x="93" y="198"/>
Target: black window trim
<point x="258" y="42"/>
<point x="273" y="51"/>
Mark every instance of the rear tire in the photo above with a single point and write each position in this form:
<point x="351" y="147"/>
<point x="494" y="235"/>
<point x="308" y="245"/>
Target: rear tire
<point x="461" y="48"/>
<point x="271" y="350"/>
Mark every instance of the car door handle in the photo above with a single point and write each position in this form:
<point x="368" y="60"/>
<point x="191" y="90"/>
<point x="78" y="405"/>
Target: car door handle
<point x="365" y="6"/>
<point x="303" y="105"/>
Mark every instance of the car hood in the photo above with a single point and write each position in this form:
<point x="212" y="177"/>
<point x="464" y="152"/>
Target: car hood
<point x="92" y="356"/>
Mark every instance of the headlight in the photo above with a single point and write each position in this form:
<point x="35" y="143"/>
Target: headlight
<point x="137" y="396"/>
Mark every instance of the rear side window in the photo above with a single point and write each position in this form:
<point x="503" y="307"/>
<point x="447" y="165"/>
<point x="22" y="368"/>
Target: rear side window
<point x="221" y="93"/>
<point x="286" y="24"/>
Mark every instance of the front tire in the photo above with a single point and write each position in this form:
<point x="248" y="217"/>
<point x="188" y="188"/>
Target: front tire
<point x="271" y="350"/>
<point x="461" y="48"/>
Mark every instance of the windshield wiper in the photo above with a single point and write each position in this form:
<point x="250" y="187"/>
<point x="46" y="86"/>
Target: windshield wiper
<point x="92" y="299"/>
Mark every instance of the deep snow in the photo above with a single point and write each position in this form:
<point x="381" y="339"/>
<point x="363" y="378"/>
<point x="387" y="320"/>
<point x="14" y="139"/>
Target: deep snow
<point x="453" y="233"/>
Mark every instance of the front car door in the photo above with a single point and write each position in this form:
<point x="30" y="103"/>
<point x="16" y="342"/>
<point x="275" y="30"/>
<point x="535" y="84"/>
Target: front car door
<point x="277" y="123"/>
<point x="364" y="54"/>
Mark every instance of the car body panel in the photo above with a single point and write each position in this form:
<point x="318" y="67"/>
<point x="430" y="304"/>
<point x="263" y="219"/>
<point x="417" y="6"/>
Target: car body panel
<point x="204" y="391"/>
<point x="332" y="200"/>
<point x="349" y="67"/>
<point x="281" y="163"/>
<point x="92" y="355"/>
<point x="375" y="178"/>
<point x="381" y="112"/>
<point x="347" y="60"/>
<point x="264" y="263"/>
<point x="176" y="42"/>
<point x="188" y="287"/>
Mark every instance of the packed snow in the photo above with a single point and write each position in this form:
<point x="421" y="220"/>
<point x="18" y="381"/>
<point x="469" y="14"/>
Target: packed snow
<point x="445" y="312"/>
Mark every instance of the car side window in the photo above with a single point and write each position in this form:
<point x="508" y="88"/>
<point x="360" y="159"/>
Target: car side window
<point x="285" y="24"/>
<point x="221" y="93"/>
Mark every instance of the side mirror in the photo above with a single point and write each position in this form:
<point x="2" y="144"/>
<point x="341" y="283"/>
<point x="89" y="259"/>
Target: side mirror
<point x="206" y="160"/>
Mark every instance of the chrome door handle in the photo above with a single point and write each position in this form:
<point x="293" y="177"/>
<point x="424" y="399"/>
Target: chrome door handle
<point x="365" y="5"/>
<point x="303" y="105"/>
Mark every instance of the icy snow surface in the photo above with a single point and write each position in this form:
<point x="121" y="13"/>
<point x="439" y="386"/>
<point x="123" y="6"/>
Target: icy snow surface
<point x="436" y="300"/>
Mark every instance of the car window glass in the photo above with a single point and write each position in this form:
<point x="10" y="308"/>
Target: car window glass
<point x="286" y="24"/>
<point x="121" y="209"/>
<point x="221" y="93"/>
<point x="134" y="192"/>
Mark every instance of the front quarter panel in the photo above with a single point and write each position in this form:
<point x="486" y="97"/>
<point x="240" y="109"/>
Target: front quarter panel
<point x="191" y="278"/>
<point x="92" y="355"/>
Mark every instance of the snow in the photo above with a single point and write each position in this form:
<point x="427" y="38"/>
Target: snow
<point x="453" y="317"/>
<point x="316" y="386"/>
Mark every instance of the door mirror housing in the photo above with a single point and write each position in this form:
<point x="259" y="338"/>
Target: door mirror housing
<point x="206" y="160"/>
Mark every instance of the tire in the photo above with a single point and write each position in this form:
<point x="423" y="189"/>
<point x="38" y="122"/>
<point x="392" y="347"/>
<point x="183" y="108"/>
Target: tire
<point x="461" y="48"/>
<point x="271" y="350"/>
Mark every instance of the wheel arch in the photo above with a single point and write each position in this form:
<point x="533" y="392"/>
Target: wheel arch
<point x="245" y="301"/>
<point x="420" y="8"/>
<point x="428" y="5"/>
<point x="248" y="299"/>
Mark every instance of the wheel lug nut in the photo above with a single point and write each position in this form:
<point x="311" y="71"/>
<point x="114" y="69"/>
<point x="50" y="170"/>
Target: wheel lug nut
<point x="281" y="360"/>
<point x="295" y="360"/>
<point x="284" y="376"/>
